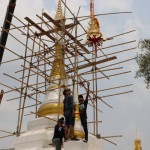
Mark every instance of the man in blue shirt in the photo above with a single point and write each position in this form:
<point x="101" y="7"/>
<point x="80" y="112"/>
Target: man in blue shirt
<point x="69" y="114"/>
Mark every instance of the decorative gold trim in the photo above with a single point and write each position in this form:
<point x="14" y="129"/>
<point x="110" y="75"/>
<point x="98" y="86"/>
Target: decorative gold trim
<point x="79" y="134"/>
<point x="50" y="108"/>
<point x="54" y="86"/>
<point x="58" y="71"/>
<point x="77" y="116"/>
<point x="94" y="28"/>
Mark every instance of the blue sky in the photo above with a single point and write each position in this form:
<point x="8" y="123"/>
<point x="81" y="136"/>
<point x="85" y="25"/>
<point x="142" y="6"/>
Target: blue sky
<point x="130" y="112"/>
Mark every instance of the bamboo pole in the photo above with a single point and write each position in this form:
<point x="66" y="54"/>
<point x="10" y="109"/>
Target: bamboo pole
<point x="118" y="44"/>
<point x="118" y="63"/>
<point x="116" y="94"/>
<point x="121" y="34"/>
<point x="24" y="100"/>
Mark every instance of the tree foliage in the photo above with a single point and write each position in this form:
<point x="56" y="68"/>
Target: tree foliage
<point x="143" y="61"/>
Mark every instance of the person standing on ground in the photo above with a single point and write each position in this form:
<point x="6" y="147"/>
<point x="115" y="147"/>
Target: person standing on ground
<point x="69" y="114"/>
<point x="59" y="134"/>
<point x="83" y="114"/>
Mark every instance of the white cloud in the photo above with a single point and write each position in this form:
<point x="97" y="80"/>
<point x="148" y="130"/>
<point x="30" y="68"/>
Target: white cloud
<point x="111" y="6"/>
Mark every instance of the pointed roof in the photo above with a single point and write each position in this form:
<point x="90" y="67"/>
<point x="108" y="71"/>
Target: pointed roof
<point x="59" y="14"/>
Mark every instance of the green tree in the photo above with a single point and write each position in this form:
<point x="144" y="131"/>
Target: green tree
<point x="143" y="61"/>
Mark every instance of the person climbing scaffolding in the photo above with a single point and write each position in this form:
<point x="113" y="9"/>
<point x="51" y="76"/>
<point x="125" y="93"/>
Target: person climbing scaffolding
<point x="82" y="111"/>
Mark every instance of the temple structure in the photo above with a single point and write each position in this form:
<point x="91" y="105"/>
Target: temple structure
<point x="40" y="130"/>
<point x="137" y="144"/>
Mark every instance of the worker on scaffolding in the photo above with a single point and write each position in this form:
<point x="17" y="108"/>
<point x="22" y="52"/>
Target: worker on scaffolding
<point x="59" y="134"/>
<point x="69" y="113"/>
<point x="1" y="95"/>
<point x="82" y="111"/>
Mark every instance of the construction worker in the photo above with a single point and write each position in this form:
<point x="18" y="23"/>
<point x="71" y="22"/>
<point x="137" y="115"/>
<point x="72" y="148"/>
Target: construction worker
<point x="83" y="114"/>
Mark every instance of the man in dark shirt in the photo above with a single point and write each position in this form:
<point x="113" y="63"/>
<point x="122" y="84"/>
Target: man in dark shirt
<point x="82" y="111"/>
<point x="59" y="134"/>
<point x="69" y="114"/>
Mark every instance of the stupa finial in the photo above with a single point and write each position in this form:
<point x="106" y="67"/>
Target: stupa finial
<point x="59" y="14"/>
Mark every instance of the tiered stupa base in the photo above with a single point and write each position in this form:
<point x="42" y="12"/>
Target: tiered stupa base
<point x="38" y="136"/>
<point x="40" y="133"/>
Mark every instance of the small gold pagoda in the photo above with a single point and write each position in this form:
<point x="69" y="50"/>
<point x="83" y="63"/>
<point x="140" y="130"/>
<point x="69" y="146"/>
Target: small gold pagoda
<point x="137" y="144"/>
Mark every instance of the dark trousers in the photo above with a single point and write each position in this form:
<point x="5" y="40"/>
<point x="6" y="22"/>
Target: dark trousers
<point x="84" y="124"/>
<point x="57" y="143"/>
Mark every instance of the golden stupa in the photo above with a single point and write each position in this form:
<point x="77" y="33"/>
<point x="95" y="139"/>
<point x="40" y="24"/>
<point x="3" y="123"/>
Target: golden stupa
<point x="137" y="144"/>
<point x="57" y="76"/>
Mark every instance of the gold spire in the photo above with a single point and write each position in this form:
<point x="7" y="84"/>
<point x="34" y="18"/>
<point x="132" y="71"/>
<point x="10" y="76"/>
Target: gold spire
<point x="94" y="28"/>
<point x="58" y="71"/>
<point x="59" y="14"/>
<point x="137" y="144"/>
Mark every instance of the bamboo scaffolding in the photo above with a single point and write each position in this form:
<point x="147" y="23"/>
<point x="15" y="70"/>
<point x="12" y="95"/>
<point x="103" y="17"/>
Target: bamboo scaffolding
<point x="21" y="82"/>
<point x="117" y="63"/>
<point x="93" y="63"/>
<point x="72" y="48"/>
<point x="107" y="54"/>
<point x="71" y="25"/>
<point x="44" y="116"/>
<point x="48" y="26"/>
<point x="116" y="94"/>
<point x="94" y="121"/>
<point x="89" y="64"/>
<point x="30" y="86"/>
<point x="24" y="100"/>
<point x="5" y="136"/>
<point x="16" y="90"/>
<point x="115" y="87"/>
<point x="112" y="75"/>
<point x="66" y="32"/>
<point x="112" y="88"/>
<point x="29" y="30"/>
<point x="104" y="14"/>
<point x="73" y="14"/>
<point x="122" y="34"/>
<point x="89" y="80"/>
<point x="124" y="43"/>
<point x="109" y="141"/>
<point x="99" y="137"/>
<point x="7" y="132"/>
<point x="39" y="28"/>
<point x="115" y="136"/>
<point x="29" y="106"/>
<point x="94" y="94"/>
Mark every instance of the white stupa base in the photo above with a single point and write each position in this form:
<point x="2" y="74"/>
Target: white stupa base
<point x="40" y="133"/>
<point x="38" y="136"/>
<point x="92" y="144"/>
